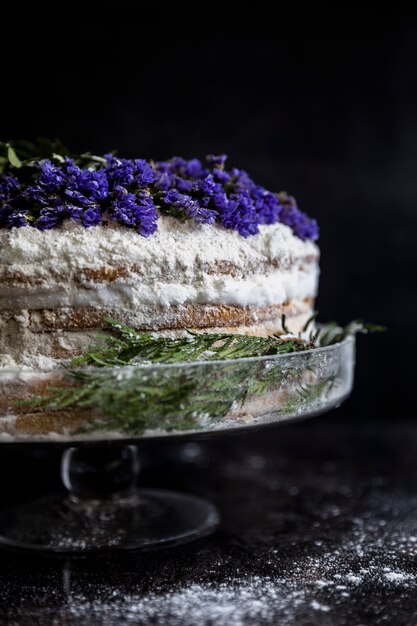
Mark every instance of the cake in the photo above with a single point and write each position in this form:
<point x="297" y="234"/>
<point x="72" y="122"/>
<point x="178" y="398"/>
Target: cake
<point x="162" y="246"/>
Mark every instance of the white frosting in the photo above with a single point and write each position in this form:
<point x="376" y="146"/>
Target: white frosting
<point x="74" y="246"/>
<point x="170" y="267"/>
<point x="274" y="288"/>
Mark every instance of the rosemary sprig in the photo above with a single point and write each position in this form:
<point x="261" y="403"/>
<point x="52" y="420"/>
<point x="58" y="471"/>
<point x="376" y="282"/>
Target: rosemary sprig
<point x="126" y="345"/>
<point x="332" y="333"/>
<point x="132" y="400"/>
<point x="135" y="399"/>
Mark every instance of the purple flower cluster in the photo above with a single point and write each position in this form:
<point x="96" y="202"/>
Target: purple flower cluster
<point x="63" y="191"/>
<point x="303" y="226"/>
<point x="131" y="201"/>
<point x="131" y="190"/>
<point x="210" y="193"/>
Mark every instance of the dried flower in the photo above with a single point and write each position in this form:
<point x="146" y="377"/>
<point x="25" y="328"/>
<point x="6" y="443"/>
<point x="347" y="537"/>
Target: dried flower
<point x="131" y="191"/>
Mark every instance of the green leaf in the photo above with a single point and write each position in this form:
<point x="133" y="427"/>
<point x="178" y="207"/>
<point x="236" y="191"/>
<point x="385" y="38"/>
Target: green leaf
<point x="13" y="158"/>
<point x="374" y="328"/>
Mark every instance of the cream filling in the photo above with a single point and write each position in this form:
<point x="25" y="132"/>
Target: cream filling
<point x="261" y="290"/>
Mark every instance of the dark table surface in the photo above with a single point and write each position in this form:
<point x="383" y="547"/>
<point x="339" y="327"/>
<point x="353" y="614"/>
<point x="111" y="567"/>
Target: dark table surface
<point x="319" y="526"/>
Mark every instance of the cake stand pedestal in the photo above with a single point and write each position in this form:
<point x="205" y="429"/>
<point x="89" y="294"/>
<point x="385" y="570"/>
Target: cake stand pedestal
<point x="104" y="510"/>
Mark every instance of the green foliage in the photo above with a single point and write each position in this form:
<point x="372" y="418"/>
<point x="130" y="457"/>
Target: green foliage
<point x="15" y="155"/>
<point x="126" y="345"/>
<point x="20" y="158"/>
<point x="140" y="382"/>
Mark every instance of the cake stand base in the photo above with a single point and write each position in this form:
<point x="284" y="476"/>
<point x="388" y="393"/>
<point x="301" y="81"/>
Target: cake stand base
<point x="104" y="511"/>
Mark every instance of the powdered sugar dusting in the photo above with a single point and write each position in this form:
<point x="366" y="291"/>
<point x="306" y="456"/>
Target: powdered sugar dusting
<point x="285" y="599"/>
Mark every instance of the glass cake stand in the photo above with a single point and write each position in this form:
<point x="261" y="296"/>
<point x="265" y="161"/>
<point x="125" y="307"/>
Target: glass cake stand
<point x="100" y="415"/>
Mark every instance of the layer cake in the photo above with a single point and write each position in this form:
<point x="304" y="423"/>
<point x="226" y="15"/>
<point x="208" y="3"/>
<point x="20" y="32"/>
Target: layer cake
<point x="80" y="255"/>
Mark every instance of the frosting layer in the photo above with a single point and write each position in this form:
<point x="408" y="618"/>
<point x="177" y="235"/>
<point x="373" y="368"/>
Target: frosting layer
<point x="181" y="263"/>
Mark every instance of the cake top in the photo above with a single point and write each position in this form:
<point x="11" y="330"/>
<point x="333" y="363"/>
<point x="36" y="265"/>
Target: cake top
<point x="42" y="186"/>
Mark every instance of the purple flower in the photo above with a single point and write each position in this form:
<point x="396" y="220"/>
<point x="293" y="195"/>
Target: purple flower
<point x="221" y="201"/>
<point x="207" y="186"/>
<point x="221" y="176"/>
<point x="91" y="217"/>
<point x="144" y="173"/>
<point x="75" y="213"/>
<point x="163" y="180"/>
<point x="191" y="170"/>
<point x="93" y="184"/>
<point x="35" y="194"/>
<point x="76" y="197"/>
<point x="194" y="168"/>
<point x="128" y="191"/>
<point x="134" y="210"/>
<point x="17" y="219"/>
<point x="182" y="184"/>
<point x="240" y="215"/>
<point x="49" y="219"/>
<point x="302" y="225"/>
<point x="267" y="206"/>
<point x="9" y="215"/>
<point x="183" y="205"/>
<point x="178" y="165"/>
<point x="51" y="177"/>
<point x="9" y="187"/>
<point x="120" y="172"/>
<point x="10" y="218"/>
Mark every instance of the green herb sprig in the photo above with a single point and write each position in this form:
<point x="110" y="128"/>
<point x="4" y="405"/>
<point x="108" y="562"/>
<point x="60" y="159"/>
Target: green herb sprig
<point x="135" y="399"/>
<point x="125" y="345"/>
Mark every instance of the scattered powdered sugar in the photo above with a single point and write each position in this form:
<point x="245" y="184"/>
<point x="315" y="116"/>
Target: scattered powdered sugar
<point x="285" y="599"/>
<point x="313" y="586"/>
<point x="352" y="578"/>
<point x="228" y="604"/>
<point x="319" y="607"/>
<point x="397" y="577"/>
<point x="237" y="602"/>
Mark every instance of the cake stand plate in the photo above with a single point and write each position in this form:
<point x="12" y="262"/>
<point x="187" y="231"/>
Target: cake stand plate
<point x="110" y="411"/>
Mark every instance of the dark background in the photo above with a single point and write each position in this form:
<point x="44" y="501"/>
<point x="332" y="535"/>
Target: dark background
<point x="331" y="118"/>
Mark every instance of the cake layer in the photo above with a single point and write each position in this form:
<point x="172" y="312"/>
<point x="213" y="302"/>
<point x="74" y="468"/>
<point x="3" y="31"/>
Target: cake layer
<point x="151" y="318"/>
<point x="39" y="339"/>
